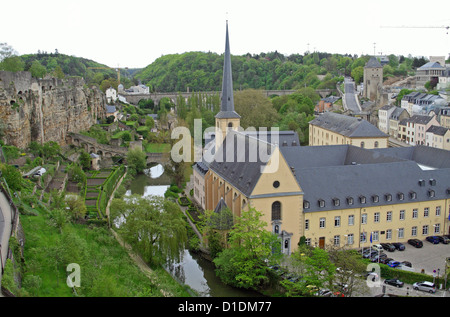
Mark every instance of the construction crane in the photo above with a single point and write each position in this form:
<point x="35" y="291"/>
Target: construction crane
<point x="417" y="27"/>
<point x="116" y="69"/>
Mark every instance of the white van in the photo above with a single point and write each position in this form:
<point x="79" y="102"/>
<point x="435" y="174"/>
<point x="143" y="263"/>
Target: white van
<point x="377" y="247"/>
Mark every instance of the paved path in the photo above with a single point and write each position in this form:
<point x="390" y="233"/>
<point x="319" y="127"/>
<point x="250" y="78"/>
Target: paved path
<point x="5" y="230"/>
<point x="351" y="100"/>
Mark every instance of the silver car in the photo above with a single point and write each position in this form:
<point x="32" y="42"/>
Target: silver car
<point x="425" y="286"/>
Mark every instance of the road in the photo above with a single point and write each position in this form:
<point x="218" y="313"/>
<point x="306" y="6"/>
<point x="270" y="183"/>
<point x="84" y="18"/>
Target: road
<point x="351" y="99"/>
<point x="5" y="230"/>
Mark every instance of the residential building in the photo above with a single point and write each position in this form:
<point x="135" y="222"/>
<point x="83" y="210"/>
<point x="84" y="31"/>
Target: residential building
<point x="444" y="117"/>
<point x="332" y="128"/>
<point x="384" y="115"/>
<point x="111" y="95"/>
<point x="438" y="137"/>
<point x="325" y="104"/>
<point x="421" y="103"/>
<point x="112" y="111"/>
<point x="396" y="116"/>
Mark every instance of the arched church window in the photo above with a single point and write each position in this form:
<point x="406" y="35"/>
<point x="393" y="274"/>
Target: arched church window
<point x="276" y="211"/>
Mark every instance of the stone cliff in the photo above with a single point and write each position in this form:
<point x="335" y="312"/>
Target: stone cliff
<point x="45" y="110"/>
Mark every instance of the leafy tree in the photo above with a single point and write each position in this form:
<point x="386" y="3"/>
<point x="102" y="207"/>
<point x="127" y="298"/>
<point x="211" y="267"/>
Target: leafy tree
<point x="136" y="160"/>
<point x="12" y="177"/>
<point x="244" y="264"/>
<point x="37" y="70"/>
<point x="12" y="64"/>
<point x="255" y="109"/>
<point x="153" y="226"/>
<point x="84" y="160"/>
<point x="358" y="74"/>
<point x="76" y="206"/>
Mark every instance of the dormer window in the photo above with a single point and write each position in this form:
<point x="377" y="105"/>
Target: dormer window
<point x="388" y="197"/>
<point x="431" y="193"/>
<point x="362" y="199"/>
<point x="432" y="182"/>
<point x="321" y="203"/>
<point x="350" y="200"/>
<point x="336" y="201"/>
<point x="401" y="196"/>
<point x="412" y="195"/>
<point x="375" y="198"/>
<point x="306" y="204"/>
<point x="421" y="182"/>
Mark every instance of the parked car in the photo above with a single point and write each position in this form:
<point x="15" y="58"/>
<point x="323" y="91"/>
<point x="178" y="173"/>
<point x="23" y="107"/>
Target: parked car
<point x="377" y="247"/>
<point x="386" y="260"/>
<point x="393" y="263"/>
<point x="444" y="239"/>
<point x="399" y="246"/>
<point x="425" y="286"/>
<point x="370" y="254"/>
<point x="405" y="268"/>
<point x="432" y="239"/>
<point x="406" y="263"/>
<point x="378" y="257"/>
<point x="324" y="293"/>
<point x="372" y="276"/>
<point x="394" y="282"/>
<point x="388" y="247"/>
<point x="416" y="243"/>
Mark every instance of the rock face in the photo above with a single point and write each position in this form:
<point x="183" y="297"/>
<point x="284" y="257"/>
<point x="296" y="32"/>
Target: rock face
<point x="45" y="110"/>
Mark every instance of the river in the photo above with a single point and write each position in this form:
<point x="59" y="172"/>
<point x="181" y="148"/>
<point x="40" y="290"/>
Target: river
<point x="193" y="270"/>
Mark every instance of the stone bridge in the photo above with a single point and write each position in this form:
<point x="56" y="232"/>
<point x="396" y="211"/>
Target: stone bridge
<point x="134" y="98"/>
<point x="91" y="145"/>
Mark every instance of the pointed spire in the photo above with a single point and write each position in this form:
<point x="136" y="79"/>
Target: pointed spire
<point x="227" y="103"/>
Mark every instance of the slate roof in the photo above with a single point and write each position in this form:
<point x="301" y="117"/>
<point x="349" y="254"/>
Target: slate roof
<point x="332" y="174"/>
<point x="430" y="65"/>
<point x="239" y="162"/>
<point x="110" y="109"/>
<point x="437" y="130"/>
<point x="396" y="113"/>
<point x="373" y="63"/>
<point x="347" y="126"/>
<point x="417" y="119"/>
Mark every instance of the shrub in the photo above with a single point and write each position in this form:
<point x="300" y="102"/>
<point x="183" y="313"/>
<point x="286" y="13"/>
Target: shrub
<point x="184" y="201"/>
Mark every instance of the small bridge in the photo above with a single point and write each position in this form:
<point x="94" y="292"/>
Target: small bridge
<point x="134" y="98"/>
<point x="91" y="145"/>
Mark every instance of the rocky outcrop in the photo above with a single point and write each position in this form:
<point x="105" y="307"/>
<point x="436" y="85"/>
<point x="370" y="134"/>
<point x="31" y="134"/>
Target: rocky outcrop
<point x="45" y="110"/>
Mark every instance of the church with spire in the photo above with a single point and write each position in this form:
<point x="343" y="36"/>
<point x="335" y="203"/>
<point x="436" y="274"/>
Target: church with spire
<point x="329" y="195"/>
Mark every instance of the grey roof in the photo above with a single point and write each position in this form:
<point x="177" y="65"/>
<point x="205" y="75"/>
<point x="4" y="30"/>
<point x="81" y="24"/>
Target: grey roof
<point x="347" y="126"/>
<point x="433" y="65"/>
<point x="418" y="119"/>
<point x="332" y="174"/>
<point x="110" y="109"/>
<point x="397" y="112"/>
<point x="227" y="103"/>
<point x="438" y="130"/>
<point x="238" y="160"/>
<point x="373" y="63"/>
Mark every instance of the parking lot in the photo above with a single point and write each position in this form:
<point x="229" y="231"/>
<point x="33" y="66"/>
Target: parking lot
<point x="429" y="258"/>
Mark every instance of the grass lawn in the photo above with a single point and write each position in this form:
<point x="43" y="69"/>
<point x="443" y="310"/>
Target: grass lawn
<point x="157" y="148"/>
<point x="105" y="267"/>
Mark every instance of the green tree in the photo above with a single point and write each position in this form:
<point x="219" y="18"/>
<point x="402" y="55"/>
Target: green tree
<point x="252" y="247"/>
<point x="76" y="206"/>
<point x="12" y="64"/>
<point x="12" y="177"/>
<point x="84" y="160"/>
<point x="136" y="160"/>
<point x="37" y="69"/>
<point x="153" y="226"/>
<point x="255" y="109"/>
<point x="358" y="74"/>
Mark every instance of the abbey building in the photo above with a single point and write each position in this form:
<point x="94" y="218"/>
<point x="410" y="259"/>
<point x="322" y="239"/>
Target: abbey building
<point x="332" y="194"/>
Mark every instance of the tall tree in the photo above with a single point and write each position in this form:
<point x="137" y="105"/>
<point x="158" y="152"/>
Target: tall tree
<point x="152" y="226"/>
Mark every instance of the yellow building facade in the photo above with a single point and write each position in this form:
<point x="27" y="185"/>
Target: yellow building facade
<point x="337" y="129"/>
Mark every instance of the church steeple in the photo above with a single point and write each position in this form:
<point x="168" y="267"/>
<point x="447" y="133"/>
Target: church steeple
<point x="227" y="102"/>
<point x="226" y="118"/>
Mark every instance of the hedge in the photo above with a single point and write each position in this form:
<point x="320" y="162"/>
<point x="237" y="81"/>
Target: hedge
<point x="184" y="201"/>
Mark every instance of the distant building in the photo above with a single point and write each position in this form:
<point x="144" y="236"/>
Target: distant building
<point x="421" y="103"/>
<point x="334" y="129"/>
<point x="430" y="72"/>
<point x="384" y="115"/>
<point x="325" y="104"/>
<point x="413" y="130"/>
<point x="111" y="95"/>
<point x="112" y="111"/>
<point x="396" y="116"/>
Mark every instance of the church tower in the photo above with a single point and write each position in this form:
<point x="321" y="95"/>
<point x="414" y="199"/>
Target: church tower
<point x="227" y="118"/>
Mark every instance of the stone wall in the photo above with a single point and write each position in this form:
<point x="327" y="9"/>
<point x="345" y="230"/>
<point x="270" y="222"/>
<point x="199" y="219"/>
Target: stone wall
<point x="47" y="109"/>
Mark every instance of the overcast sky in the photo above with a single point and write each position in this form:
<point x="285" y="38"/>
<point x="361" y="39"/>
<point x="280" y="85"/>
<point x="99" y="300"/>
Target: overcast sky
<point x="135" y="33"/>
